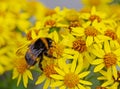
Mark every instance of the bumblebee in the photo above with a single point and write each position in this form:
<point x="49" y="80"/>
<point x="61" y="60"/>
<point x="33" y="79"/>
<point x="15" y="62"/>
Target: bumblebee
<point x="37" y="49"/>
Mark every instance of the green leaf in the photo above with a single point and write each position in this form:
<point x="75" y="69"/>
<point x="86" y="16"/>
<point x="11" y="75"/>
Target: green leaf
<point x="52" y="29"/>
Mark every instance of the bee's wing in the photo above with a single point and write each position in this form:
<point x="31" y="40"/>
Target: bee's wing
<point x="22" y="49"/>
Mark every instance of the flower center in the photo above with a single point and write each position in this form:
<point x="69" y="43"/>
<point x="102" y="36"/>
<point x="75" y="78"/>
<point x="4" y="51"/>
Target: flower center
<point x="79" y="45"/>
<point x="99" y="87"/>
<point x="111" y="34"/>
<point x="93" y="17"/>
<point x="50" y="23"/>
<point x="94" y="2"/>
<point x="71" y="80"/>
<point x="56" y="50"/>
<point x="90" y="31"/>
<point x="49" y="69"/>
<point x="74" y="24"/>
<point x="110" y="59"/>
<point x="21" y="65"/>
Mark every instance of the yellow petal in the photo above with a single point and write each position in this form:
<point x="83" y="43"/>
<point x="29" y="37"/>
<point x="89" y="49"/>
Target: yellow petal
<point x="109" y="73"/>
<point x="57" y="83"/>
<point x="29" y="74"/>
<point x="107" y="83"/>
<point x="66" y="68"/>
<point x="25" y="80"/>
<point x="115" y="85"/>
<point x="73" y="66"/>
<point x="41" y="78"/>
<point x="89" y="41"/>
<point x="97" y="61"/>
<point x="85" y="82"/>
<point x="58" y="77"/>
<point x="107" y="47"/>
<point x="55" y="36"/>
<point x="96" y="53"/>
<point x="104" y="73"/>
<point x="76" y="87"/>
<point x="88" y="57"/>
<point x="102" y="78"/>
<point x="82" y="75"/>
<point x="99" y="67"/>
<point x="114" y="69"/>
<point x="78" y="31"/>
<point x="33" y="34"/>
<point x="15" y="74"/>
<point x="46" y="84"/>
<point x="59" y="71"/>
<point x="63" y="87"/>
<point x="117" y="52"/>
<point x="69" y="51"/>
<point x="81" y="86"/>
<point x="78" y="69"/>
<point x="19" y="79"/>
<point x="93" y="11"/>
<point x="60" y="63"/>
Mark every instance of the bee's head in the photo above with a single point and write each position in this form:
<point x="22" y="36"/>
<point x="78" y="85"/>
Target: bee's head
<point x="49" y="41"/>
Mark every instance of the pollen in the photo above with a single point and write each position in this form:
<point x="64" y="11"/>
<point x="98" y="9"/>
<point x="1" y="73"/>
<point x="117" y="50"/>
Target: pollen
<point x="71" y="80"/>
<point x="111" y="34"/>
<point x="99" y="87"/>
<point x="91" y="31"/>
<point x="79" y="45"/>
<point x="49" y="69"/>
<point x="93" y="17"/>
<point x="50" y="23"/>
<point x="95" y="2"/>
<point x="56" y="50"/>
<point x="21" y="65"/>
<point x="110" y="59"/>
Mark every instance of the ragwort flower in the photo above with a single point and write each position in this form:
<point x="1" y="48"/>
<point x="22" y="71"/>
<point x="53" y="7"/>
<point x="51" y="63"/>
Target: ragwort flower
<point x="106" y="58"/>
<point x="71" y="77"/>
<point x="21" y="71"/>
<point x="109" y="83"/>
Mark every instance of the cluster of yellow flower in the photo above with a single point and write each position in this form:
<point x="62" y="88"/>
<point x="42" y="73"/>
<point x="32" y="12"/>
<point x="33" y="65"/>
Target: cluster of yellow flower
<point x="84" y="39"/>
<point x="15" y="16"/>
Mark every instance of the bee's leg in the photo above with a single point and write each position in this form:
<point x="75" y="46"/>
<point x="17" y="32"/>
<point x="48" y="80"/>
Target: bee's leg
<point x="48" y="55"/>
<point x="40" y="62"/>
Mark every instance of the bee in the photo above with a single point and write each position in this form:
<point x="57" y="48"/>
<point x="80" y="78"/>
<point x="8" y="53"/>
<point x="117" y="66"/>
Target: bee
<point x="37" y="49"/>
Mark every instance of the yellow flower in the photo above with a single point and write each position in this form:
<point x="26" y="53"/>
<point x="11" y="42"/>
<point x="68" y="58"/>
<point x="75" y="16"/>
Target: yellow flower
<point x="47" y="71"/>
<point x="36" y="9"/>
<point x="90" y="33"/>
<point x="106" y="58"/>
<point x="77" y="45"/>
<point x="21" y="70"/>
<point x="109" y="83"/>
<point x="71" y="76"/>
<point x="6" y="58"/>
<point x="100" y="4"/>
<point x="93" y="15"/>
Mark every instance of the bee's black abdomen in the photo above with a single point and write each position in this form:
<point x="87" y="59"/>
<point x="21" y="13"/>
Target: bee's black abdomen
<point x="29" y="59"/>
